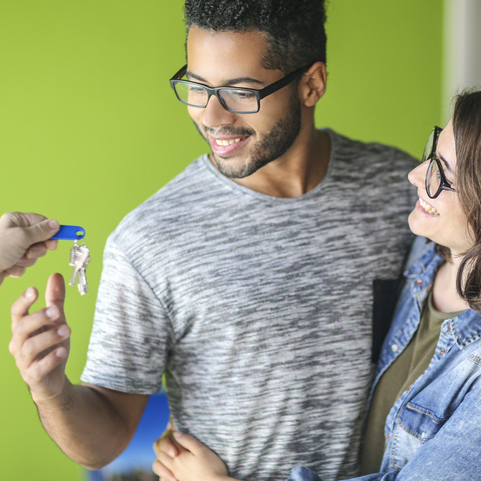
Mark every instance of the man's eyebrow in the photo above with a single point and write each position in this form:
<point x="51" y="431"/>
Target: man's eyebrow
<point x="232" y="81"/>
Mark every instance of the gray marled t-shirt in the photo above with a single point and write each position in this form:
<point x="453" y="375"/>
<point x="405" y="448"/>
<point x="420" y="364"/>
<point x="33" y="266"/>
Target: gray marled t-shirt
<point x="258" y="309"/>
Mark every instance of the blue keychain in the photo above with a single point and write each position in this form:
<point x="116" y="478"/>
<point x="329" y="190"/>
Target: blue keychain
<point x="69" y="232"/>
<point x="79" y="255"/>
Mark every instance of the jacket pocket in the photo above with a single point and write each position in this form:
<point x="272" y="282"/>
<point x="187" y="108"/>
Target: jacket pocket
<point x="414" y="426"/>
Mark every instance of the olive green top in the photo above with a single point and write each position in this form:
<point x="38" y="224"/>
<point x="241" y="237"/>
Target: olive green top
<point x="402" y="373"/>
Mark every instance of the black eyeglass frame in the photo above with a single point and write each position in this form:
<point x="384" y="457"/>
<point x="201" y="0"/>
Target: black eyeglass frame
<point x="259" y="93"/>
<point x="445" y="184"/>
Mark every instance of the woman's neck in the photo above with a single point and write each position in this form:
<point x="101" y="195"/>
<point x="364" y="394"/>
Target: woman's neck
<point x="445" y="297"/>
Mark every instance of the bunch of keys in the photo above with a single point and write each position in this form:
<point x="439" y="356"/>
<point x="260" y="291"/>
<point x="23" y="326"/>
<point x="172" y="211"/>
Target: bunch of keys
<point x="79" y="255"/>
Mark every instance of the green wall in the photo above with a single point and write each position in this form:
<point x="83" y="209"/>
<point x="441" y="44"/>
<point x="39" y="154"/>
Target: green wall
<point x="89" y="128"/>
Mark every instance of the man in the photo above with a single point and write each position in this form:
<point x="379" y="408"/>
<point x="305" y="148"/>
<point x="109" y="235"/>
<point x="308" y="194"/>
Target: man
<point x="247" y="280"/>
<point x="24" y="237"/>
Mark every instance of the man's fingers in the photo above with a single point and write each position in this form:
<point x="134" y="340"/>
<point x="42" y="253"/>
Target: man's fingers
<point x="55" y="292"/>
<point x="29" y="346"/>
<point x="37" y="332"/>
<point x="21" y="306"/>
<point x="37" y="370"/>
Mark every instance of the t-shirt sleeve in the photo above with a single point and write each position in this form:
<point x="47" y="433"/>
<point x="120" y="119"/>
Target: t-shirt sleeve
<point x="131" y="333"/>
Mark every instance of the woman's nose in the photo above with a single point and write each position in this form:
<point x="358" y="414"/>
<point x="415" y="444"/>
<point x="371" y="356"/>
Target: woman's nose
<point x="417" y="176"/>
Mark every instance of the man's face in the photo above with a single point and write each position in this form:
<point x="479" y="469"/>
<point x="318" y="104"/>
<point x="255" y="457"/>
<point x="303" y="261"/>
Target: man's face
<point x="241" y="143"/>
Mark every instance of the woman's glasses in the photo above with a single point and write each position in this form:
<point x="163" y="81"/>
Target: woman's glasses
<point x="435" y="179"/>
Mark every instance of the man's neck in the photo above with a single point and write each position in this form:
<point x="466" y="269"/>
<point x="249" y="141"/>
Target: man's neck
<point x="300" y="170"/>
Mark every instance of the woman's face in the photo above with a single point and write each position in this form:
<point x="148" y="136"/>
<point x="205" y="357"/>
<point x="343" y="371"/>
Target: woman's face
<point x="441" y="219"/>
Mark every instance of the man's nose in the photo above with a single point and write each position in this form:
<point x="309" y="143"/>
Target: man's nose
<point x="215" y="114"/>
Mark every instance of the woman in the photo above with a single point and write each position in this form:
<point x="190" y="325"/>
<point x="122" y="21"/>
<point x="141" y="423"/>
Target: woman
<point x="424" y="421"/>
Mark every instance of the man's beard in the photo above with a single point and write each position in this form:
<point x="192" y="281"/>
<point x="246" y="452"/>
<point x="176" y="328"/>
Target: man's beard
<point x="274" y="144"/>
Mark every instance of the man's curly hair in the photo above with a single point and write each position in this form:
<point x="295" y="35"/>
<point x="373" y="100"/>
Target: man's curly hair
<point x="294" y="29"/>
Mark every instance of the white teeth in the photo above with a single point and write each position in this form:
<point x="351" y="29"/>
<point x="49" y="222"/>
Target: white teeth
<point x="428" y="208"/>
<point x="227" y="142"/>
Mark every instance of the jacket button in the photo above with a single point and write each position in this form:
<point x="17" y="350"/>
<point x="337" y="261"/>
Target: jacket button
<point x="419" y="282"/>
<point x="394" y="348"/>
<point x="442" y="351"/>
<point x="388" y="437"/>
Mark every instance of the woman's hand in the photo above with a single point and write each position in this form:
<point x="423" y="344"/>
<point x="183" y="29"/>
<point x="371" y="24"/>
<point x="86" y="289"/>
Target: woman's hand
<point x="193" y="461"/>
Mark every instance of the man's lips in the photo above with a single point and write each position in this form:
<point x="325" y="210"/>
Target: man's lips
<point x="227" y="145"/>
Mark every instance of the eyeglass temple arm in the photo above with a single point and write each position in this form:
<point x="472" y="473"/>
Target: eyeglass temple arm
<point x="282" y="82"/>
<point x="180" y="73"/>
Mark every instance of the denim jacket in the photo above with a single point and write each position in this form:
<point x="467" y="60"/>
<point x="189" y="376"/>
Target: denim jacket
<point x="433" y="431"/>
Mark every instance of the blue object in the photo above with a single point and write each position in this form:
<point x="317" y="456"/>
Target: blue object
<point x="69" y="232"/>
<point x="135" y="463"/>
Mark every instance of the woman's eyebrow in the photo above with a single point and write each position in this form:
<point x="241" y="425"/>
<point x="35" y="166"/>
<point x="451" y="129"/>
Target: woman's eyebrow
<point x="446" y="163"/>
<point x="231" y="81"/>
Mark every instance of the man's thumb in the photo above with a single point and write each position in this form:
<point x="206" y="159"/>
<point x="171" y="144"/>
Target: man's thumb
<point x="55" y="292"/>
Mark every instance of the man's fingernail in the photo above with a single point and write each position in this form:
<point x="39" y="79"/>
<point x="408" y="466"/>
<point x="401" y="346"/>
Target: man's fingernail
<point x="177" y="434"/>
<point x="30" y="293"/>
<point x="61" y="352"/>
<point x="53" y="224"/>
<point x="63" y="331"/>
<point x="51" y="311"/>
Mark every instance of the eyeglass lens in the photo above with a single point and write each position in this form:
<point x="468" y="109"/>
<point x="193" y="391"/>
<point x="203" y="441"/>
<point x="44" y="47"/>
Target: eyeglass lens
<point x="430" y="146"/>
<point x="433" y="178"/>
<point x="233" y="99"/>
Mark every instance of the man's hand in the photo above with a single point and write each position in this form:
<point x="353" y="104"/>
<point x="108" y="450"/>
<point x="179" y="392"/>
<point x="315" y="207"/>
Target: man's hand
<point x="23" y="239"/>
<point x="41" y="341"/>
<point x="189" y="461"/>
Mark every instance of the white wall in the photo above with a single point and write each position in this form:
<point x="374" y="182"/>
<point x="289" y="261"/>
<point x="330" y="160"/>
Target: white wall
<point x="462" y="49"/>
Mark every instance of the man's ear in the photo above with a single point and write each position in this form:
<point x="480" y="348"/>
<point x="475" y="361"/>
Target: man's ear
<point x="313" y="84"/>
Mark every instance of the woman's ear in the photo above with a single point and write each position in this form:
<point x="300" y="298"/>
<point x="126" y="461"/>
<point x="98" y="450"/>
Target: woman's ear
<point x="313" y="84"/>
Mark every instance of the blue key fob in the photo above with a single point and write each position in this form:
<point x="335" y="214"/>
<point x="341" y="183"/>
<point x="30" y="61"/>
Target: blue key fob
<point x="69" y="232"/>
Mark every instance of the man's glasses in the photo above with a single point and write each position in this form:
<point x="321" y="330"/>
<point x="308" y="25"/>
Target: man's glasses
<point x="234" y="99"/>
<point x="436" y="181"/>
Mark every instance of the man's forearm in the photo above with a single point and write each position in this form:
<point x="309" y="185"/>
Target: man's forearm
<point x="85" y="425"/>
<point x="91" y="424"/>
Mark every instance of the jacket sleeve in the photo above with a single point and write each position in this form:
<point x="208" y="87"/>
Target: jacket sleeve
<point x="305" y="474"/>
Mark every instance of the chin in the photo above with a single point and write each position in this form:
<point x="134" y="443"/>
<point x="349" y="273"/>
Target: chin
<point x="416" y="225"/>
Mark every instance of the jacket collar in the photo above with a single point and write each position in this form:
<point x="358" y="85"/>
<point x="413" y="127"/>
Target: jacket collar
<point x="466" y="327"/>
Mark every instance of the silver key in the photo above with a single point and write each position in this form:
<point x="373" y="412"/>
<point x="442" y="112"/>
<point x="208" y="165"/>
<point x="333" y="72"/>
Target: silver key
<point x="79" y="258"/>
<point x="82" y="285"/>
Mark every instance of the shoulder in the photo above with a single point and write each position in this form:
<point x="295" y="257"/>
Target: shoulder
<point x="161" y="211"/>
<point x="376" y="172"/>
<point x="373" y="154"/>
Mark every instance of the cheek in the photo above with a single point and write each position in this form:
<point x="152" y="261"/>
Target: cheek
<point x="460" y="224"/>
<point x="273" y="108"/>
<point x="415" y="222"/>
<point x="194" y="113"/>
